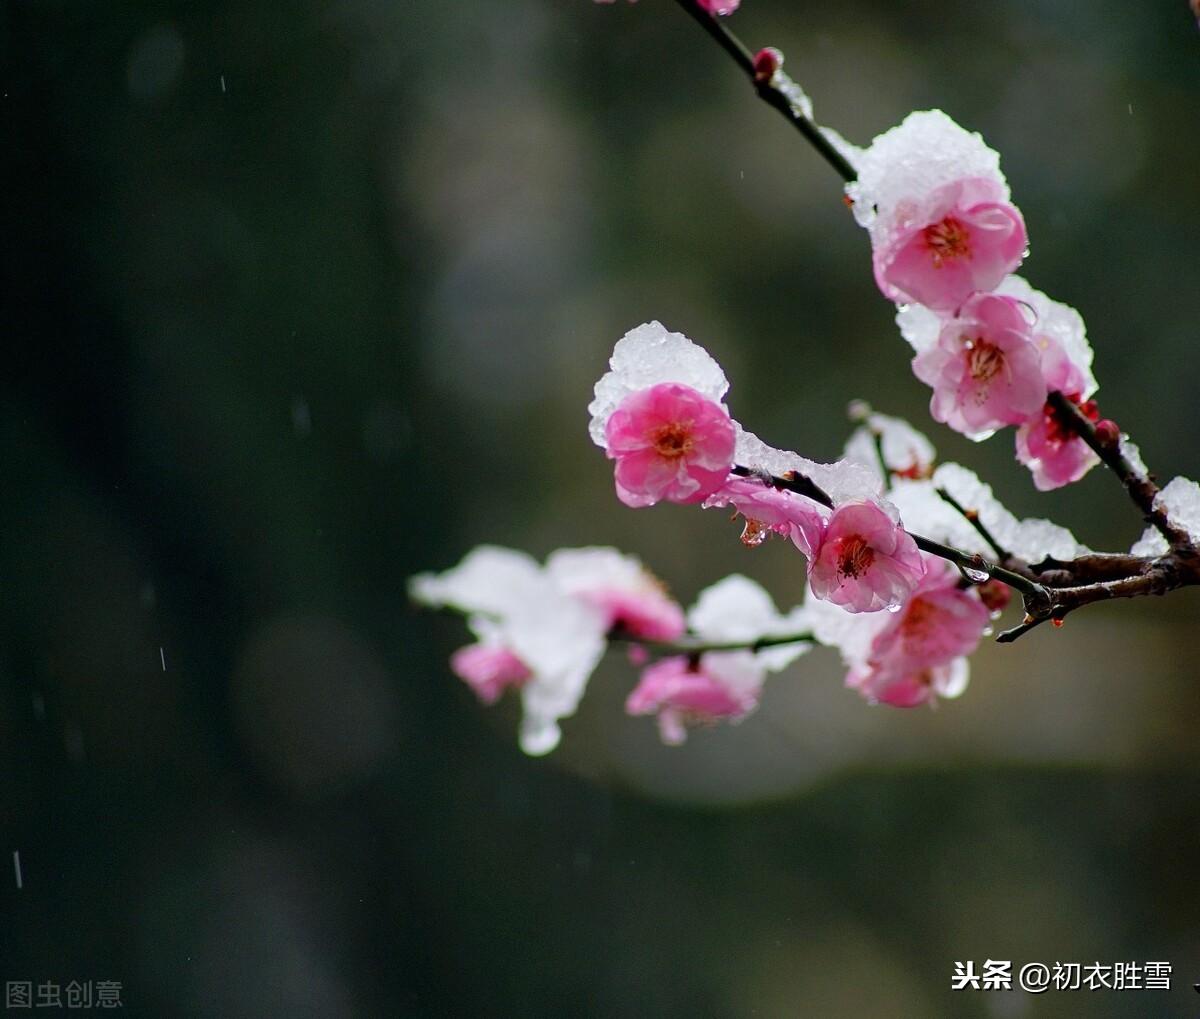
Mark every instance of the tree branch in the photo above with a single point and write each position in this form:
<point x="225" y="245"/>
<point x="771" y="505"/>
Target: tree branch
<point x="1141" y="488"/>
<point x="768" y="88"/>
<point x="696" y="646"/>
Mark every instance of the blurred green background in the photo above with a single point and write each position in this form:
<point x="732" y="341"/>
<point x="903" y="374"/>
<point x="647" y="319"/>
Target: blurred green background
<point x="305" y="297"/>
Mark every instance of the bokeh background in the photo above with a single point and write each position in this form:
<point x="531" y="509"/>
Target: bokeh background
<point x="302" y="298"/>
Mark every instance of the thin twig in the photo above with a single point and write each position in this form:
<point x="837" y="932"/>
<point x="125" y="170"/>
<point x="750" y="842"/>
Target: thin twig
<point x="972" y="518"/>
<point x="696" y="646"/>
<point x="767" y="90"/>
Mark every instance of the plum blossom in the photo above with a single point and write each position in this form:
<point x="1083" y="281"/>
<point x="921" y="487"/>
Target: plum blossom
<point x="937" y="208"/>
<point x="718" y="685"/>
<point x="940" y="623"/>
<point x="658" y="413"/>
<point x="1052" y="450"/>
<point x="489" y="670"/>
<point x="683" y="692"/>
<point x="966" y="240"/>
<point x="865" y="561"/>
<point x="532" y="636"/>
<point x="670" y="442"/>
<point x="769" y="510"/>
<point x="628" y="596"/>
<point x="985" y="369"/>
<point x="922" y="686"/>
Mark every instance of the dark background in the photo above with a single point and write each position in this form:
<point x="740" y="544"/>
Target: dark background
<point x="302" y="298"/>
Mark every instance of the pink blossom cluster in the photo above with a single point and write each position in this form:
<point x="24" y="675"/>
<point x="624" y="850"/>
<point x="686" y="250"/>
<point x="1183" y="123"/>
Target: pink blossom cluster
<point x="918" y="654"/>
<point x="541" y="630"/>
<point x="659" y="415"/>
<point x="946" y="240"/>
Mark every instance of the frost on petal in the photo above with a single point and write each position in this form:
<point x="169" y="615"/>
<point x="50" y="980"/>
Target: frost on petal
<point x="521" y="616"/>
<point x="1059" y="332"/>
<point x="561" y="640"/>
<point x="852" y="633"/>
<point x="919" y="326"/>
<point x="738" y="609"/>
<point x="644" y="357"/>
<point x="904" y="166"/>
<point x="927" y="513"/>
<point x="1133" y="455"/>
<point x="963" y="240"/>
<point x="1032" y="539"/>
<point x="906" y="452"/>
<point x="843" y="481"/>
<point x="488" y="580"/>
<point x="625" y="592"/>
<point x="1180" y="500"/>
<point x="1150" y="544"/>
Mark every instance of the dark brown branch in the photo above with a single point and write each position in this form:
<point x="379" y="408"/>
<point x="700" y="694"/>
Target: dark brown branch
<point x="767" y="91"/>
<point x="696" y="646"/>
<point x="1156" y="576"/>
<point x="1141" y="488"/>
<point x="972" y="517"/>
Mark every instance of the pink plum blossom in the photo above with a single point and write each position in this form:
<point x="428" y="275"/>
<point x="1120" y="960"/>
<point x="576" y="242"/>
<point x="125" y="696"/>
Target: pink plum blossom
<point x="629" y="597"/>
<point x="670" y="442"/>
<point x="967" y="241"/>
<point x="939" y="622"/>
<point x="985" y="369"/>
<point x="1052" y="450"/>
<point x="769" y="510"/>
<point x="922" y="686"/>
<point x="1047" y="445"/>
<point x="489" y="670"/>
<point x="907" y="663"/>
<point x="865" y="561"/>
<point x="683" y="692"/>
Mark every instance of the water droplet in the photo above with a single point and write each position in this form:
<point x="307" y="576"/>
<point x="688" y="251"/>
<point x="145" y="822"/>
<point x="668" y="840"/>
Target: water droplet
<point x="976" y="576"/>
<point x="754" y="534"/>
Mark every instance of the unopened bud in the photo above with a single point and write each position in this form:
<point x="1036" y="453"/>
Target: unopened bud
<point x="1107" y="432"/>
<point x="858" y="411"/>
<point x="766" y="62"/>
<point x="995" y="595"/>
